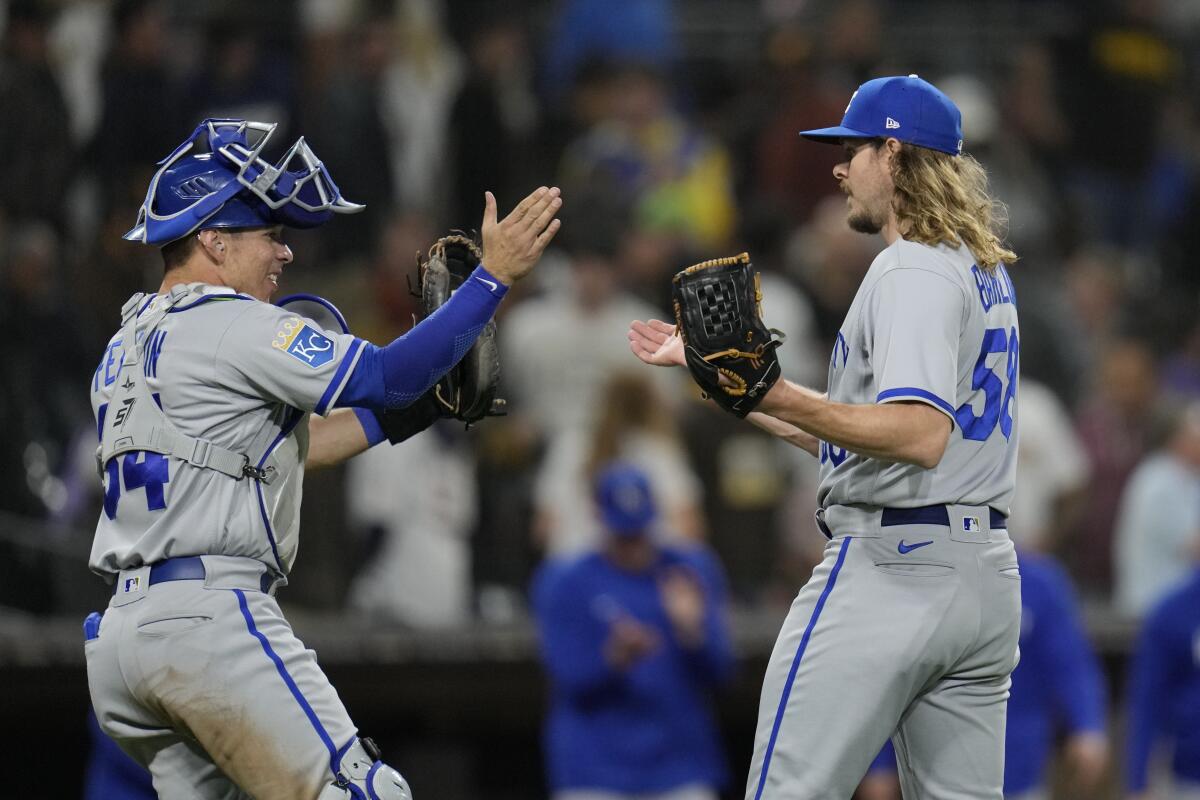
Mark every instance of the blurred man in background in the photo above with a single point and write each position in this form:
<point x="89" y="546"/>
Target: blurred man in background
<point x="1164" y="696"/>
<point x="1158" y="526"/>
<point x="634" y="640"/>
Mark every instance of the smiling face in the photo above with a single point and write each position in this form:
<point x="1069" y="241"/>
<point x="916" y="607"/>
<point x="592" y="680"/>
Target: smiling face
<point x="255" y="260"/>
<point x="864" y="175"/>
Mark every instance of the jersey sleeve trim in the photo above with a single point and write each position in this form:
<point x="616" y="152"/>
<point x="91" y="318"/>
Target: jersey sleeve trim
<point x="340" y="378"/>
<point x="912" y="393"/>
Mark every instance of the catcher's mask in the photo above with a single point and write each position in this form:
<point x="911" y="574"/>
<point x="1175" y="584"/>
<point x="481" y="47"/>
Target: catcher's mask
<point x="217" y="179"/>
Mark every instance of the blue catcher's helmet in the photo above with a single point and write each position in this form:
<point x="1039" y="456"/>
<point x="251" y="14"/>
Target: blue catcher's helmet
<point x="231" y="186"/>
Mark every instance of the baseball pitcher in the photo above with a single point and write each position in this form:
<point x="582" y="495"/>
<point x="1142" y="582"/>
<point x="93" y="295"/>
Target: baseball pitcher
<point x="908" y="628"/>
<point x="210" y="402"/>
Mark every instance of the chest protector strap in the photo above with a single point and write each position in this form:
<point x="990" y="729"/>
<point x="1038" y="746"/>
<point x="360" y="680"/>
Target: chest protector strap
<point x="134" y="420"/>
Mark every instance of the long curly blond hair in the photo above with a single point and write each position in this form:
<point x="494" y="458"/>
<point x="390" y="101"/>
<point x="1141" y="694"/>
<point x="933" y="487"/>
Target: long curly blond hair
<point x="944" y="198"/>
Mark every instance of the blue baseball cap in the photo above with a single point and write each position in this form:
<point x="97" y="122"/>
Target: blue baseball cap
<point x="901" y="107"/>
<point x="624" y="499"/>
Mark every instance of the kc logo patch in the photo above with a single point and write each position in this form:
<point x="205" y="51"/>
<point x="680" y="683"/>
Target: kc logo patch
<point x="304" y="343"/>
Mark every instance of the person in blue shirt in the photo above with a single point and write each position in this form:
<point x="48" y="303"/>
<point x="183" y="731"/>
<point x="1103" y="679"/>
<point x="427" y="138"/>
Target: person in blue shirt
<point x="1057" y="687"/>
<point x="1164" y="694"/>
<point x="111" y="774"/>
<point x="634" y="641"/>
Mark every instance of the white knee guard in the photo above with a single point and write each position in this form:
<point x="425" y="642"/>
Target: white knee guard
<point x="364" y="777"/>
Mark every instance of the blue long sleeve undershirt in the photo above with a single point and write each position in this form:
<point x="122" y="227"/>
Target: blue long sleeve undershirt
<point x="395" y="375"/>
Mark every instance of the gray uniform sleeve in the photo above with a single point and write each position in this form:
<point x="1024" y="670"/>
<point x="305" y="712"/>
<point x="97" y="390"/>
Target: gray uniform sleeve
<point x="914" y="325"/>
<point x="277" y="355"/>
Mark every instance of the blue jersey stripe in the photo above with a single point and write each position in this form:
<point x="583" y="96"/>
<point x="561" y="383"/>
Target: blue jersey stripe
<point x="208" y="298"/>
<point x="288" y="427"/>
<point x="338" y="377"/>
<point x="909" y="391"/>
<point x="787" y="686"/>
<point x="287" y="679"/>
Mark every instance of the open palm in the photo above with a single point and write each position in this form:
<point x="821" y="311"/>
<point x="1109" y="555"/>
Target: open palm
<point x="656" y="342"/>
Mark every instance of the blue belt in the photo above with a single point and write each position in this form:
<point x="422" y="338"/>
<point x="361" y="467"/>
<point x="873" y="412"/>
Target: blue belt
<point x="930" y="515"/>
<point x="190" y="568"/>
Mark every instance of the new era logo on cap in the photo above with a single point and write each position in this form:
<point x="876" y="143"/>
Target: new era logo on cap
<point x="930" y="118"/>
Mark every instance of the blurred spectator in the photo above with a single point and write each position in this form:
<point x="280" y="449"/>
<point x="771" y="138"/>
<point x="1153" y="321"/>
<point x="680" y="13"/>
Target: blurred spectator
<point x="829" y="259"/>
<point x="665" y="168"/>
<point x="345" y="117"/>
<point x="634" y="641"/>
<point x="422" y="77"/>
<point x="498" y="97"/>
<point x="1077" y="315"/>
<point x="804" y="98"/>
<point x="1025" y="151"/>
<point x="1114" y="426"/>
<point x="1052" y="472"/>
<point x="389" y="289"/>
<point x="416" y="505"/>
<point x="633" y="425"/>
<point x="560" y="348"/>
<point x="35" y="130"/>
<point x="1181" y="367"/>
<point x="748" y="477"/>
<point x="1158" y="527"/>
<point x="764" y="234"/>
<point x="1098" y="299"/>
<point x="247" y="73"/>
<point x="614" y="31"/>
<point x="110" y="773"/>
<point x="1117" y="76"/>
<point x="1164" y="696"/>
<point x="43" y="423"/>
<point x="141" y="112"/>
<point x="1057" y="696"/>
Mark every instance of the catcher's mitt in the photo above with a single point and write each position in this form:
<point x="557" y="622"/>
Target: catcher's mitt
<point x="468" y="391"/>
<point x="729" y="351"/>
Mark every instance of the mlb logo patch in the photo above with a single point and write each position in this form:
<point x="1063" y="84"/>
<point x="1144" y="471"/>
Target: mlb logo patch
<point x="971" y="525"/>
<point x="304" y="343"/>
<point x="132" y="584"/>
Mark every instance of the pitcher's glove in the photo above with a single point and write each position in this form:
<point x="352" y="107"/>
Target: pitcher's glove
<point x="468" y="391"/>
<point x="730" y="352"/>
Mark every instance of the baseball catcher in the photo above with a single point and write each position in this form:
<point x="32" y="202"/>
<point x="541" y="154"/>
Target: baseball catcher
<point x="730" y="352"/>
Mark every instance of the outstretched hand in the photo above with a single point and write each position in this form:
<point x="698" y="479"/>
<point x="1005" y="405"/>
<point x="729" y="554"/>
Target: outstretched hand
<point x="656" y="342"/>
<point x="513" y="245"/>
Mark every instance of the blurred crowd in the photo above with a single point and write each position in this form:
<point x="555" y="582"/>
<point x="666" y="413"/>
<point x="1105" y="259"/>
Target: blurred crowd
<point x="671" y="128"/>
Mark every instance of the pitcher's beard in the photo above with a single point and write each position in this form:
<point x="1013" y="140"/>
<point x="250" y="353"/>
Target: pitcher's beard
<point x="863" y="222"/>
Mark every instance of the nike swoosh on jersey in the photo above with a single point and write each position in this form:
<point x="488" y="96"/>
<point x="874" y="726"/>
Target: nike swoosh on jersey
<point x="908" y="548"/>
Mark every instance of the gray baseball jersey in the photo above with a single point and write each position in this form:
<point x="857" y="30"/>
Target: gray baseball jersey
<point x="243" y="374"/>
<point x="928" y="325"/>
<point x="193" y="669"/>
<point x="908" y="628"/>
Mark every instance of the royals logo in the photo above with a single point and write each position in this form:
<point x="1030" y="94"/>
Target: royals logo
<point x="304" y="343"/>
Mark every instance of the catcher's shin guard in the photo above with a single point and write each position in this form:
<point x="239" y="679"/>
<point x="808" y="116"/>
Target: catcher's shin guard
<point x="364" y="777"/>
